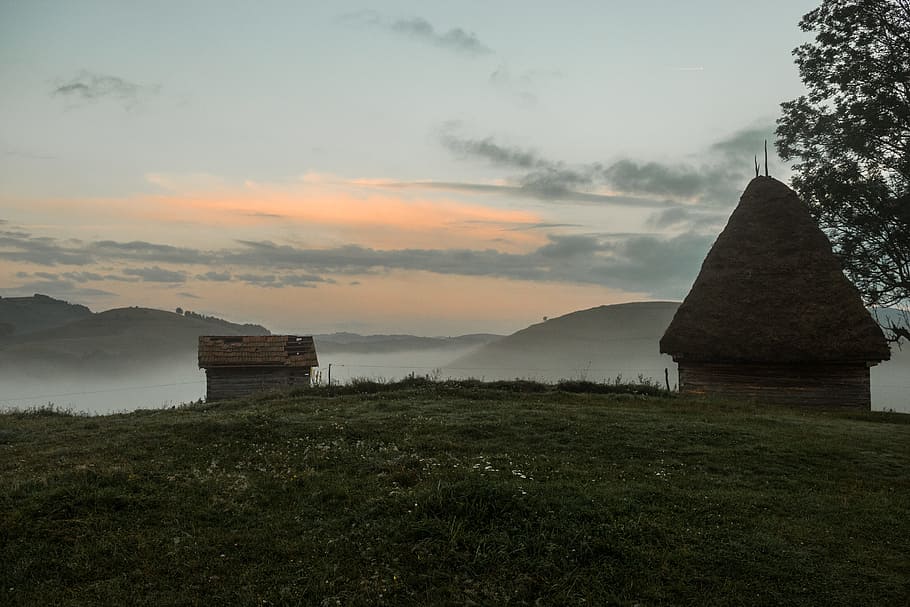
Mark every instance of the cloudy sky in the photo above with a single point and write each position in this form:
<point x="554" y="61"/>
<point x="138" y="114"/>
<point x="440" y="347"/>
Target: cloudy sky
<point x="427" y="167"/>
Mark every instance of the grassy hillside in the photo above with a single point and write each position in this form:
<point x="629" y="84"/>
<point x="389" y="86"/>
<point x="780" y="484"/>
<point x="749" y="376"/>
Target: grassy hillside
<point x="456" y="494"/>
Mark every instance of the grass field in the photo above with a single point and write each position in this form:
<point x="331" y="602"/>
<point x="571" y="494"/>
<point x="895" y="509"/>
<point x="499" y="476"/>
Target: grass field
<point x="456" y="493"/>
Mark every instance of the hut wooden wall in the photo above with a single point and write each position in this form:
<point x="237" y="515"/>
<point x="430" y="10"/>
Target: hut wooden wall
<point x="237" y="382"/>
<point x="845" y="385"/>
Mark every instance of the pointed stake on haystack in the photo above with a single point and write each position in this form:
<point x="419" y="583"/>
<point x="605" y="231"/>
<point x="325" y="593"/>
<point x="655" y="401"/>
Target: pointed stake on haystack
<point x="756" y="165"/>
<point x="766" y="158"/>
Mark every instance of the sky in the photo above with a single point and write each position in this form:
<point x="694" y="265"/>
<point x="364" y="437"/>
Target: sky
<point x="434" y="168"/>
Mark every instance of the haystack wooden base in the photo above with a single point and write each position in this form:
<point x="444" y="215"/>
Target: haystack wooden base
<point x="842" y="385"/>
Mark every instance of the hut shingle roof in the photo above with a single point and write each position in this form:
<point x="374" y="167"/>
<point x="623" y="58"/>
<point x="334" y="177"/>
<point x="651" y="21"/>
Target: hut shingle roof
<point x="772" y="290"/>
<point x="256" y="351"/>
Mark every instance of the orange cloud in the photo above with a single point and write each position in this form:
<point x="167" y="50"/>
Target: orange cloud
<point x="327" y="213"/>
<point x="317" y="210"/>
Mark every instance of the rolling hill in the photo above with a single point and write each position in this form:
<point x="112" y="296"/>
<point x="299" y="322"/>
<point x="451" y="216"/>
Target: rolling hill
<point x="598" y="343"/>
<point x="19" y="315"/>
<point x="114" y="340"/>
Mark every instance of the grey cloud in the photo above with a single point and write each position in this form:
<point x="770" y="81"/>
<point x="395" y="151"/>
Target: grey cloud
<point x="544" y="226"/>
<point x="283" y="280"/>
<point x="265" y="215"/>
<point x="544" y="179"/>
<point x="188" y="295"/>
<point x="519" y="227"/>
<point x="562" y="247"/>
<point x="266" y="254"/>
<point x="657" y="178"/>
<point x="715" y="180"/>
<point x="557" y="181"/>
<point x="734" y="156"/>
<point x="82" y="277"/>
<point x="59" y="288"/>
<point x="455" y="39"/>
<point x="489" y="150"/>
<point x="75" y="277"/>
<point x="258" y="280"/>
<point x="214" y="276"/>
<point x="354" y="259"/>
<point x="12" y="234"/>
<point x="90" y="86"/>
<point x="156" y="274"/>
<point x="304" y="280"/>
<point x="691" y="218"/>
<point x="647" y="263"/>
<point x="746" y="143"/>
<point x="22" y="247"/>
<point x="662" y="267"/>
<point x="147" y="251"/>
<point x="540" y="190"/>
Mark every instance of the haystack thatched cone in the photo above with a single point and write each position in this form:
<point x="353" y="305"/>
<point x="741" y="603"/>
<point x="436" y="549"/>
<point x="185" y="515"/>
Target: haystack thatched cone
<point x="772" y="291"/>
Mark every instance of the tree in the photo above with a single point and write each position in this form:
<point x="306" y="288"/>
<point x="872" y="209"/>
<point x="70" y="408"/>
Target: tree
<point x="850" y="138"/>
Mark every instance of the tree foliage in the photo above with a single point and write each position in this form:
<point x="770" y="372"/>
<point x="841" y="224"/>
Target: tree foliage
<point x="849" y="136"/>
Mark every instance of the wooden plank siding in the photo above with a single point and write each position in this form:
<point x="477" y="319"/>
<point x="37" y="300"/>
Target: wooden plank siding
<point x="843" y="385"/>
<point x="242" y="365"/>
<point x="237" y="382"/>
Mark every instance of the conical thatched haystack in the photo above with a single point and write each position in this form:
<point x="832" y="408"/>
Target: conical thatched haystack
<point x="771" y="315"/>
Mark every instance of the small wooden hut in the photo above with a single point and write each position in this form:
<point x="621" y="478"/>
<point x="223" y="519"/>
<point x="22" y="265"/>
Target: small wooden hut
<point x="771" y="316"/>
<point x="237" y="366"/>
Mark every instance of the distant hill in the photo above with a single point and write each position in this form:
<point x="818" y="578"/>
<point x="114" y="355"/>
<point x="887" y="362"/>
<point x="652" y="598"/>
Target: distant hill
<point x="595" y="344"/>
<point x="19" y="315"/>
<point x="115" y="340"/>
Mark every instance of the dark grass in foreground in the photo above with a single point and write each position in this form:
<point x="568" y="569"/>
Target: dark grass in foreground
<point x="456" y="493"/>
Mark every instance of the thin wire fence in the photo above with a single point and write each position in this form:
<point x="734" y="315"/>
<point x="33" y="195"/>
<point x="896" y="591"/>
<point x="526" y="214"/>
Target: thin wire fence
<point x="101" y="391"/>
<point x="610" y="373"/>
<point x="436" y="371"/>
<point x="354" y="371"/>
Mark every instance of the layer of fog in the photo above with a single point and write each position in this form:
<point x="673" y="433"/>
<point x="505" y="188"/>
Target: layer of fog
<point x="445" y="364"/>
<point x="389" y="366"/>
<point x="163" y="386"/>
<point x="891" y="382"/>
<point x="178" y="382"/>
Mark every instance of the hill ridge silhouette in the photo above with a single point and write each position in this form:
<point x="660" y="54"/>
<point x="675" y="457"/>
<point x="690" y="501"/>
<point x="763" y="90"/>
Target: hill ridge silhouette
<point x="582" y="343"/>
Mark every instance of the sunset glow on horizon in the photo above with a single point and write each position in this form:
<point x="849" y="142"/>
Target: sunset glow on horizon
<point x="301" y="167"/>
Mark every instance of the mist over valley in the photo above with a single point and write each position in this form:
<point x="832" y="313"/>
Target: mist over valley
<point x="54" y="352"/>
